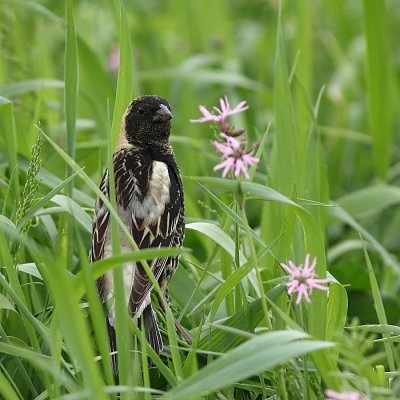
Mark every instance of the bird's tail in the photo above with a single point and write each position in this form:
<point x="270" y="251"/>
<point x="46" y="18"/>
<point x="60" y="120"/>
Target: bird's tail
<point x="113" y="347"/>
<point x="153" y="334"/>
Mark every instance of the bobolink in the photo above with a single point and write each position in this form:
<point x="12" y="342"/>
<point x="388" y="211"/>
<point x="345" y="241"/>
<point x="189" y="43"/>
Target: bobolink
<point x="149" y="198"/>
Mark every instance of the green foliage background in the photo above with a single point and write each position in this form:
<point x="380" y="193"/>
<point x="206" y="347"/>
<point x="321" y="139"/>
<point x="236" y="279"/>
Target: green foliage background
<point x="322" y="82"/>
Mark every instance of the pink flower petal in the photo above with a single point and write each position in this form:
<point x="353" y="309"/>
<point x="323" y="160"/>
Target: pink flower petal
<point x="303" y="279"/>
<point x="225" y="109"/>
<point x="113" y="62"/>
<point x="231" y="141"/>
<point x="250" y="160"/>
<point x="240" y="167"/>
<point x="228" y="164"/>
<point x="223" y="112"/>
<point x="207" y="116"/>
<point x="312" y="284"/>
<point x="302" y="292"/>
<point x="292" y="286"/>
<point x="333" y="395"/>
<point x="223" y="148"/>
<point x="287" y="268"/>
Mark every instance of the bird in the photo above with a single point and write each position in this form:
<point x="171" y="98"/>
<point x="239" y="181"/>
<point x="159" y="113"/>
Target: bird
<point x="150" y="202"/>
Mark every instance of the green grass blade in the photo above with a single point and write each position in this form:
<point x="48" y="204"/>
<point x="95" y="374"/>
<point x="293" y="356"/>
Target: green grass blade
<point x="285" y="167"/>
<point x="40" y="361"/>
<point x="256" y="355"/>
<point x="125" y="79"/>
<point x="380" y="83"/>
<point x="337" y="310"/>
<point x="340" y="214"/>
<point x="166" y="372"/>
<point x="123" y="336"/>
<point x="74" y="328"/>
<point x="246" y="320"/>
<point x="218" y="236"/>
<point x="230" y="283"/>
<point x="236" y="218"/>
<point x="380" y="310"/>
<point x="123" y="97"/>
<point x="100" y="267"/>
<point x="250" y="190"/>
<point x="8" y="130"/>
<point x="173" y="344"/>
<point x="369" y="201"/>
<point x="71" y="82"/>
<point x="7" y="390"/>
<point x="96" y="311"/>
<point x="44" y="200"/>
<point x="28" y="86"/>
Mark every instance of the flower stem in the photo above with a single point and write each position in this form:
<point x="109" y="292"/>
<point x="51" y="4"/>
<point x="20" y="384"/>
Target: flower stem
<point x="306" y="377"/>
<point x="254" y="257"/>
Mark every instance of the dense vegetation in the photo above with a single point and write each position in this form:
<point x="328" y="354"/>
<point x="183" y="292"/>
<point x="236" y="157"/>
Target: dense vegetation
<point x="321" y="79"/>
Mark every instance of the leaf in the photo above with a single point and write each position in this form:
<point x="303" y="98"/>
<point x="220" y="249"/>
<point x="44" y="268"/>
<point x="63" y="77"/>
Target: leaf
<point x="381" y="328"/>
<point x="9" y="133"/>
<point x="5" y="303"/>
<point x="231" y="281"/>
<point x="102" y="266"/>
<point x="370" y="200"/>
<point x="52" y="181"/>
<point x="7" y="390"/>
<point x="71" y="84"/>
<point x="284" y="159"/>
<point x="75" y="210"/>
<point x="380" y="83"/>
<point x="205" y="76"/>
<point x="34" y="85"/>
<point x="250" y="189"/>
<point x="380" y="311"/>
<point x="215" y="233"/>
<point x="246" y="320"/>
<point x="41" y="361"/>
<point x="30" y="269"/>
<point x="228" y="211"/>
<point x="44" y="200"/>
<point x="6" y="221"/>
<point x="337" y="310"/>
<point x="257" y="354"/>
<point x="340" y="214"/>
<point x="125" y="76"/>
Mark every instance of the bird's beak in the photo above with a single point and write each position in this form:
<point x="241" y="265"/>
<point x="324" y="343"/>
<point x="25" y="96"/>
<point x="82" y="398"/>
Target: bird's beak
<point x="162" y="114"/>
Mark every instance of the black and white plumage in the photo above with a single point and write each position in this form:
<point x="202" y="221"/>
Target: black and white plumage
<point x="149" y="197"/>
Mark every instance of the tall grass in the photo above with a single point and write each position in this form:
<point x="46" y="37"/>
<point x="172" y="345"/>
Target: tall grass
<point x="320" y="79"/>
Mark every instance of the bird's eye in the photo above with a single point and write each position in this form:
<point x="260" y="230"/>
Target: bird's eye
<point x="141" y="110"/>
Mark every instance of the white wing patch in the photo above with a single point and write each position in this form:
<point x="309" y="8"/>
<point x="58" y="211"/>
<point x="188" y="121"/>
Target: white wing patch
<point x="157" y="196"/>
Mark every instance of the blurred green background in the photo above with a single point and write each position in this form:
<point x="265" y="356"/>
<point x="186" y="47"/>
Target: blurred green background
<point x="194" y="53"/>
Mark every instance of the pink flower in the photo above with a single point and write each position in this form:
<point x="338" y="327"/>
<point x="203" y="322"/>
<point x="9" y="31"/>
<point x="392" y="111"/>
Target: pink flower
<point x="113" y="62"/>
<point x="235" y="158"/>
<point x="207" y="116"/>
<point x="302" y="279"/>
<point x="332" y="395"/>
<point x="223" y="112"/>
<point x="225" y="109"/>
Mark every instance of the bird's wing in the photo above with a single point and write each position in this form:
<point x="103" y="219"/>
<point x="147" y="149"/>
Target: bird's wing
<point x="99" y="230"/>
<point x="162" y="233"/>
<point x="100" y="222"/>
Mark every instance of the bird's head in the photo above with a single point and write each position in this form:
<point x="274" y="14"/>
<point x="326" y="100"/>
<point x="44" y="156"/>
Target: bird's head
<point x="147" y="121"/>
